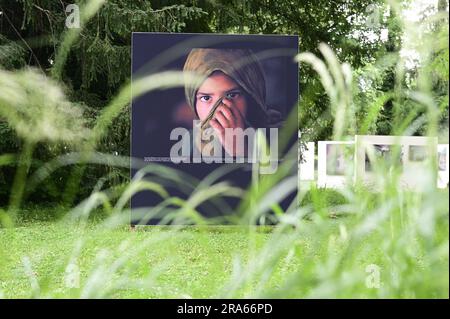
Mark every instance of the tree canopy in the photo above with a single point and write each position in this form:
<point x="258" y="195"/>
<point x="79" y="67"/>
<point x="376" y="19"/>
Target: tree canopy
<point x="98" y="63"/>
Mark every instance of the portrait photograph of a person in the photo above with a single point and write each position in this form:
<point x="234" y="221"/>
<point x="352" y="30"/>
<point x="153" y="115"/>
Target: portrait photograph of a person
<point x="234" y="87"/>
<point x="232" y="94"/>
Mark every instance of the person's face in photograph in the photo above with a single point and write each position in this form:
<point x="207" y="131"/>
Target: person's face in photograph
<point x="232" y="112"/>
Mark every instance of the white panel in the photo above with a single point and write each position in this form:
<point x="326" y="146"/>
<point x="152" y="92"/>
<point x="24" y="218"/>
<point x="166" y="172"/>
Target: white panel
<point x="443" y="166"/>
<point x="335" y="163"/>
<point x="307" y="166"/>
<point x="415" y="153"/>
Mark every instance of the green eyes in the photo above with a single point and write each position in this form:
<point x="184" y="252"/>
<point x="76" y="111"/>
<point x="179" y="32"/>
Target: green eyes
<point x="205" y="98"/>
<point x="229" y="95"/>
<point x="232" y="95"/>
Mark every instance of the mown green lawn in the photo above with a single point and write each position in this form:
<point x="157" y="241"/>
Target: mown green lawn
<point x="195" y="262"/>
<point x="188" y="263"/>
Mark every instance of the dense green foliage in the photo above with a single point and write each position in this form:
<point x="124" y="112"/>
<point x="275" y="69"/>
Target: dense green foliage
<point x="99" y="61"/>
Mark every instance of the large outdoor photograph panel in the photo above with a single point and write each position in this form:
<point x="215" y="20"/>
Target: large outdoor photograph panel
<point x="237" y="81"/>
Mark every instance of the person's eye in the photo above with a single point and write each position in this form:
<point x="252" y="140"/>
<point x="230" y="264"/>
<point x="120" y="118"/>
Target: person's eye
<point x="205" y="98"/>
<point x="232" y="95"/>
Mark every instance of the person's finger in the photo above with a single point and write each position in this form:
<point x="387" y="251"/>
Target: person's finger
<point x="222" y="119"/>
<point x="237" y="114"/>
<point x="216" y="126"/>
<point x="227" y="113"/>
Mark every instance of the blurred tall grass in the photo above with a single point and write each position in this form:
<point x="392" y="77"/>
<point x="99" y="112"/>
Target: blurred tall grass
<point x="350" y="242"/>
